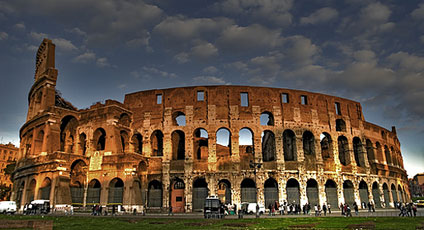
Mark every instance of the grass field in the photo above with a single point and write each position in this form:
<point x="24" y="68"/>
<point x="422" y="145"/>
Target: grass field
<point x="104" y="223"/>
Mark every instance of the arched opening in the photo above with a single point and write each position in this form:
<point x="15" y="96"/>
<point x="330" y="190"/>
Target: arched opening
<point x="308" y="143"/>
<point x="156" y="141"/>
<point x="267" y="118"/>
<point x="289" y="145"/>
<point x="340" y="125"/>
<point x="371" y="156"/>
<point x="293" y="192"/>
<point x="137" y="193"/>
<point x="116" y="191"/>
<point x="68" y="127"/>
<point x="19" y="194"/>
<point x="271" y="192"/>
<point x="124" y="141"/>
<point x="124" y="120"/>
<point x="223" y="142"/>
<point x="83" y="143"/>
<point x="326" y="146"/>
<point x="331" y="193"/>
<point x="376" y="195"/>
<point x="200" y="192"/>
<point x="224" y="191"/>
<point x="99" y="138"/>
<point x="394" y="193"/>
<point x="268" y="146"/>
<point x="38" y="145"/>
<point x="312" y="192"/>
<point x="31" y="191"/>
<point x="343" y="150"/>
<point x="154" y="194"/>
<point x="400" y="195"/>
<point x="348" y="193"/>
<point x="357" y="151"/>
<point x="387" y="155"/>
<point x="45" y="189"/>
<point x="386" y="195"/>
<point x="379" y="152"/>
<point x="77" y="175"/>
<point x="200" y="143"/>
<point x="248" y="191"/>
<point x="178" y="119"/>
<point x="363" y="192"/>
<point x="178" y="145"/>
<point x="137" y="142"/>
<point x="93" y="192"/>
<point x="246" y="141"/>
<point x="177" y="195"/>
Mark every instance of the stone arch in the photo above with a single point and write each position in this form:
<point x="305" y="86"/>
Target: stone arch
<point x="312" y="192"/>
<point x="387" y="155"/>
<point x="293" y="191"/>
<point x="348" y="192"/>
<point x="386" y="195"/>
<point x="246" y="141"/>
<point x="20" y="193"/>
<point x="68" y="127"/>
<point x="358" y="153"/>
<point x="327" y="154"/>
<point x="331" y="193"/>
<point x="224" y="191"/>
<point x="223" y="142"/>
<point x="289" y="145"/>
<point x="343" y="150"/>
<point x="178" y="118"/>
<point x="379" y="152"/>
<point x="116" y="191"/>
<point x="267" y="118"/>
<point x="177" y="195"/>
<point x="268" y="146"/>
<point x="200" y="144"/>
<point x="30" y="191"/>
<point x="308" y="140"/>
<point x="78" y="175"/>
<point x="93" y="192"/>
<point x="154" y="194"/>
<point x="200" y="192"/>
<point x="83" y="144"/>
<point x="363" y="192"/>
<point x="248" y="191"/>
<point x="38" y="142"/>
<point x="124" y="119"/>
<point x="99" y="137"/>
<point x="340" y="125"/>
<point x="394" y="193"/>
<point x="400" y="193"/>
<point x="137" y="143"/>
<point x="376" y="194"/>
<point x="156" y="141"/>
<point x="124" y="141"/>
<point x="178" y="145"/>
<point x="44" y="191"/>
<point x="270" y="192"/>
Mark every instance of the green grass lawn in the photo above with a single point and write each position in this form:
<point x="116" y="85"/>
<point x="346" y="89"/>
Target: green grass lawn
<point x="104" y="223"/>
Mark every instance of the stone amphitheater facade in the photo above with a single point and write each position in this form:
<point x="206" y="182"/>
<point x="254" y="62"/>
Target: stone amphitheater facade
<point x="173" y="147"/>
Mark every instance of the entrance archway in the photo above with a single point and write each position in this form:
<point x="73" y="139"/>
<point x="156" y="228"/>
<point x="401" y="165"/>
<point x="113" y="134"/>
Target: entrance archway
<point x="200" y="192"/>
<point x="177" y="195"/>
<point x="271" y="192"/>
<point x="155" y="194"/>
<point x="394" y="194"/>
<point x="348" y="192"/>
<point x="376" y="195"/>
<point x="331" y="193"/>
<point x="31" y="191"/>
<point x="224" y="191"/>
<point x="93" y="193"/>
<point x="386" y="195"/>
<point x="45" y="189"/>
<point x="116" y="191"/>
<point x="293" y="193"/>
<point x="248" y="191"/>
<point x="312" y="192"/>
<point x="363" y="192"/>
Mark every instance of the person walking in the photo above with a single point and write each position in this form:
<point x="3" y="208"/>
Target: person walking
<point x="257" y="210"/>
<point x="329" y="208"/>
<point x="355" y="206"/>
<point x="324" y="208"/>
<point x="414" y="209"/>
<point x="316" y="210"/>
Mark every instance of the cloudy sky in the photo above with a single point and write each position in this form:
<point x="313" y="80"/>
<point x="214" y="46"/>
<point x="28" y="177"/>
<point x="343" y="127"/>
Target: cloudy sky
<point x="368" y="51"/>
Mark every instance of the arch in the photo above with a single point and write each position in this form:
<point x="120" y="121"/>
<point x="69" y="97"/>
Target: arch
<point x="246" y="140"/>
<point x="83" y="143"/>
<point x="223" y="142"/>
<point x="200" y="192"/>
<point x="31" y="191"/>
<point x="348" y="192"/>
<point x="376" y="195"/>
<point x="340" y="125"/>
<point x="289" y="145"/>
<point x="178" y="145"/>
<point x="308" y="143"/>
<point x="400" y="195"/>
<point x="137" y="143"/>
<point x="370" y="151"/>
<point x="394" y="193"/>
<point x="386" y="195"/>
<point x="331" y="193"/>
<point x="77" y="175"/>
<point x="156" y="141"/>
<point x="387" y="155"/>
<point x="93" y="192"/>
<point x="124" y="141"/>
<point x="99" y="137"/>
<point x="379" y="152"/>
<point x="154" y="194"/>
<point x="68" y="127"/>
<point x="248" y="191"/>
<point x="267" y="118"/>
<point x="268" y="146"/>
<point x="44" y="191"/>
<point x="326" y="146"/>
<point x="178" y="118"/>
<point x="312" y="192"/>
<point x="270" y="192"/>
<point x="19" y="194"/>
<point x="357" y="151"/>
<point x="177" y="195"/>
<point x="363" y="192"/>
<point x="38" y="144"/>
<point x="200" y="144"/>
<point x="124" y="119"/>
<point x="116" y="191"/>
<point x="293" y="192"/>
<point x="224" y="191"/>
<point x="343" y="150"/>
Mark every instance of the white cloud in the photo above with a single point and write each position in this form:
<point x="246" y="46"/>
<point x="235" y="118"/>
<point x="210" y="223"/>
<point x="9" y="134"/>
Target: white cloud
<point x="300" y="49"/>
<point x="156" y="72"/>
<point x="3" y="36"/>
<point x="419" y="12"/>
<point x="182" y="57"/>
<point x="209" y="80"/>
<point x="86" y="57"/>
<point x="102" y="62"/>
<point x="78" y="31"/>
<point x="322" y="15"/>
<point x="64" y="45"/>
<point x="204" y="50"/>
<point x="375" y="13"/>
<point x="20" y="26"/>
<point x="407" y="61"/>
<point x="38" y="36"/>
<point x="210" y="70"/>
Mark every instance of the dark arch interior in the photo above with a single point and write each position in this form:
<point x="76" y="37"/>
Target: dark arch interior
<point x="248" y="183"/>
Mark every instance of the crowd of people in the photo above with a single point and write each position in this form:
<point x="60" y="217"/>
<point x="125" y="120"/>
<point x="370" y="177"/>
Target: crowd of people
<point x="406" y="209"/>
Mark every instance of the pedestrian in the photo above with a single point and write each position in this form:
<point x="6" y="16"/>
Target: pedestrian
<point x="329" y="208"/>
<point x="348" y="211"/>
<point x="316" y="210"/>
<point x="72" y="210"/>
<point x="257" y="210"/>
<point x="170" y="210"/>
<point x="324" y="208"/>
<point x="414" y="209"/>
<point x="342" y="209"/>
<point x="113" y="210"/>
<point x="410" y="209"/>
<point x="355" y="206"/>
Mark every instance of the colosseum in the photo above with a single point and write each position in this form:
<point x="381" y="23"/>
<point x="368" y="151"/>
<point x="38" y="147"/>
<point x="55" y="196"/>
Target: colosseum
<point x="174" y="147"/>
